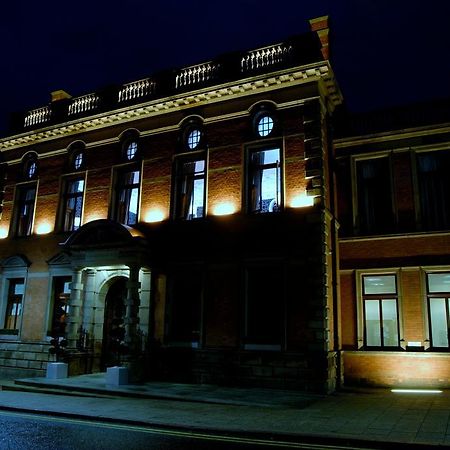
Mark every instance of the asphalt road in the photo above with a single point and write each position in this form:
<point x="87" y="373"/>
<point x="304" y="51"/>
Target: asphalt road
<point x="36" y="432"/>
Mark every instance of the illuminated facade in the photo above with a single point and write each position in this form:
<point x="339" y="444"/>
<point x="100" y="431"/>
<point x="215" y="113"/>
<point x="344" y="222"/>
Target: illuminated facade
<point x="182" y="222"/>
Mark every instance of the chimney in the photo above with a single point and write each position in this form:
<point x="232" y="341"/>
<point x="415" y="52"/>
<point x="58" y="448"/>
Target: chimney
<point x="60" y="95"/>
<point x="320" y="25"/>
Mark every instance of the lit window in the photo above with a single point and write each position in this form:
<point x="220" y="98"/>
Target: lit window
<point x="381" y="327"/>
<point x="61" y="295"/>
<point x="190" y="188"/>
<point x="25" y="210"/>
<point x="264" y="181"/>
<point x="78" y="161"/>
<point x="31" y="169"/>
<point x="73" y="204"/>
<point x="194" y="139"/>
<point x="438" y="293"/>
<point x="265" y="125"/>
<point x="14" y="304"/>
<point x="131" y="150"/>
<point x="127" y="197"/>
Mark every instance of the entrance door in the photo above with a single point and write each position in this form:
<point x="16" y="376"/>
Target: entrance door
<point x="113" y="326"/>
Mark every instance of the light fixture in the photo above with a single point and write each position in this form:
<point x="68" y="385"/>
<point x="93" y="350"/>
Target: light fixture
<point x="3" y="232"/>
<point x="154" y="215"/>
<point x="302" y="200"/>
<point x="224" y="209"/>
<point x="416" y="391"/>
<point x="43" y="228"/>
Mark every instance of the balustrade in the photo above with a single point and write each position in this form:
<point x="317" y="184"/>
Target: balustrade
<point x="37" y="116"/>
<point x="196" y="74"/>
<point x="264" y="57"/>
<point x="136" y="89"/>
<point x="84" y="103"/>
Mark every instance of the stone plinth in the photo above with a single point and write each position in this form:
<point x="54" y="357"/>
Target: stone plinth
<point x="116" y="376"/>
<point x="57" y="370"/>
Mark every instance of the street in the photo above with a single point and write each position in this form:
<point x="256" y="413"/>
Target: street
<point x="21" y="431"/>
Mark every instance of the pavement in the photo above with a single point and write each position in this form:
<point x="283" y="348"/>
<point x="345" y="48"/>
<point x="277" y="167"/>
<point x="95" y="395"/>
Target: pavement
<point x="369" y="418"/>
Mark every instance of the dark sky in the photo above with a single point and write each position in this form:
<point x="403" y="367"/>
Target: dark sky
<point x="385" y="53"/>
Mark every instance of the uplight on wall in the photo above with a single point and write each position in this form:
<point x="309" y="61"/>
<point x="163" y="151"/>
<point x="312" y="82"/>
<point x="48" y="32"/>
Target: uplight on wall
<point x="43" y="228"/>
<point x="301" y="201"/>
<point x="3" y="232"/>
<point x="224" y="209"/>
<point x="154" y="215"/>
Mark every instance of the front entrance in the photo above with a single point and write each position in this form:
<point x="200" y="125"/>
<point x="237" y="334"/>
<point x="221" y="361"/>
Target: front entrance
<point x="113" y="325"/>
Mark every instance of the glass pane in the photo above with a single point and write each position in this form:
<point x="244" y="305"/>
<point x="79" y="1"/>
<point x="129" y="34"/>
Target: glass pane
<point x="19" y="288"/>
<point x="379" y="284"/>
<point x="133" y="209"/>
<point x="390" y="324"/>
<point x="439" y="327"/>
<point x="265" y="125"/>
<point x="439" y="282"/>
<point x="197" y="199"/>
<point x="373" y="335"/>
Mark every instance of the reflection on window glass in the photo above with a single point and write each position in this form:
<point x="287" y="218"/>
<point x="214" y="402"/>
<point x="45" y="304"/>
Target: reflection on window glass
<point x="373" y="336"/>
<point x="127" y="202"/>
<point x="25" y="210"/>
<point x="382" y="284"/>
<point x="61" y="296"/>
<point x="131" y="150"/>
<point x="193" y="139"/>
<point x="14" y="304"/>
<point x="73" y="204"/>
<point x="438" y="306"/>
<point x="439" y="282"/>
<point x="32" y="169"/>
<point x="265" y="181"/>
<point x="78" y="161"/>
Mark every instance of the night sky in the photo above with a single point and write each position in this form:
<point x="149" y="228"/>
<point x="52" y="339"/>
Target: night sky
<point x="385" y="53"/>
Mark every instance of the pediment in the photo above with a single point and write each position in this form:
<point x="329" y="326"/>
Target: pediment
<point x="16" y="261"/>
<point x="60" y="259"/>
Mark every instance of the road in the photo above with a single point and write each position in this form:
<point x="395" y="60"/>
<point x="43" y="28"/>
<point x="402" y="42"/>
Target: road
<point x="19" y="431"/>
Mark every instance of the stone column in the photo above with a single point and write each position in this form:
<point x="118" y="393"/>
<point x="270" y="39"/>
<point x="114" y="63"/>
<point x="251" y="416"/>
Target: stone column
<point x="74" y="319"/>
<point x="132" y="302"/>
<point x="89" y="302"/>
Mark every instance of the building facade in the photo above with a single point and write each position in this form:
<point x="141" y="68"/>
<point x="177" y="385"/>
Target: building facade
<point x="182" y="224"/>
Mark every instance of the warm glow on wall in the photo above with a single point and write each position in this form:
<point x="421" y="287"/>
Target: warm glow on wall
<point x="43" y="228"/>
<point x="154" y="215"/>
<point x="223" y="209"/>
<point x="3" y="232"/>
<point x="92" y="217"/>
<point x="302" y="200"/>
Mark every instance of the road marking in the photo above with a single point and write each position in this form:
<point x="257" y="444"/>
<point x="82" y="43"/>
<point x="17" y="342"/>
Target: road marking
<point x="97" y="422"/>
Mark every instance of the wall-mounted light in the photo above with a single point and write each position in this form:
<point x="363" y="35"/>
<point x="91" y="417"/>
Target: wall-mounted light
<point x="154" y="215"/>
<point x="43" y="228"/>
<point x="301" y="201"/>
<point x="416" y="391"/>
<point x="224" y="209"/>
<point x="3" y="232"/>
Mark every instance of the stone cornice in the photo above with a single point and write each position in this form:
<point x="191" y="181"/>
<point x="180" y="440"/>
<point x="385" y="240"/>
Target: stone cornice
<point x="320" y="72"/>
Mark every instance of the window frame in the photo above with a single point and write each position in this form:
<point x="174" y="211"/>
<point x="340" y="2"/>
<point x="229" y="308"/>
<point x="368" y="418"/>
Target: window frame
<point x="250" y="173"/>
<point x="19" y="203"/>
<point x="53" y="304"/>
<point x="117" y="188"/>
<point x="18" y="316"/>
<point x="64" y="198"/>
<point x="361" y="319"/>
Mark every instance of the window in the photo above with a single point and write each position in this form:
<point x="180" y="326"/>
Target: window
<point x="13" y="313"/>
<point x="78" y="161"/>
<point x="264" y="306"/>
<point x="127" y="196"/>
<point x="264" y="125"/>
<point x="185" y="308"/>
<point x="31" y="170"/>
<point x="374" y="196"/>
<point x="61" y="295"/>
<point x="438" y="294"/>
<point x="189" y="188"/>
<point x="131" y="151"/>
<point x="26" y="196"/>
<point x="193" y="139"/>
<point x="264" y="180"/>
<point x="72" y="204"/>
<point x="434" y="188"/>
<point x="381" y="327"/>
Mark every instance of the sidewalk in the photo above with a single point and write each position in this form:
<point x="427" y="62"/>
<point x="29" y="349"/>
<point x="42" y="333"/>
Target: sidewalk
<point x="373" y="416"/>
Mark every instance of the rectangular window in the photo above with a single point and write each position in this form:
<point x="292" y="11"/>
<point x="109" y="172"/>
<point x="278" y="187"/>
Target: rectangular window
<point x="190" y="196"/>
<point x="72" y="204"/>
<point x="13" y="313"/>
<point x="380" y="303"/>
<point x="127" y="197"/>
<point x="61" y="296"/>
<point x="374" y="196"/>
<point x="264" y="306"/>
<point x="26" y="197"/>
<point x="438" y="294"/>
<point x="264" y="191"/>
<point x="434" y="189"/>
<point x="185" y="308"/>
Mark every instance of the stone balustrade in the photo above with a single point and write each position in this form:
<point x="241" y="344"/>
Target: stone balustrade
<point x="196" y="74"/>
<point x="136" y="90"/>
<point x="37" y="116"/>
<point x="83" y="104"/>
<point x="265" y="57"/>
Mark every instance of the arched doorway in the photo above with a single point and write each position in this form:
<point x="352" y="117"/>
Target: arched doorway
<point x="113" y="325"/>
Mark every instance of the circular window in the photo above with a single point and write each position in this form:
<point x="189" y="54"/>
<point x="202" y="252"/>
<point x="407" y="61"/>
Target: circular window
<point x="265" y="125"/>
<point x="131" y="150"/>
<point x="78" y="161"/>
<point x="31" y="169"/>
<point x="193" y="138"/>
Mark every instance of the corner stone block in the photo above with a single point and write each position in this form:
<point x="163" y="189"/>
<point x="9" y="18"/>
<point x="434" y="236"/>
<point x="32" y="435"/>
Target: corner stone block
<point x="57" y="370"/>
<point x="116" y="376"/>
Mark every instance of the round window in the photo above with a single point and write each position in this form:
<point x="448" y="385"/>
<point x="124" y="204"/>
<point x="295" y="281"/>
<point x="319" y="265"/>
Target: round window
<point x="131" y="150"/>
<point x="32" y="169"/>
<point x="265" y="125"/>
<point x="78" y="161"/>
<point x="193" y="138"/>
